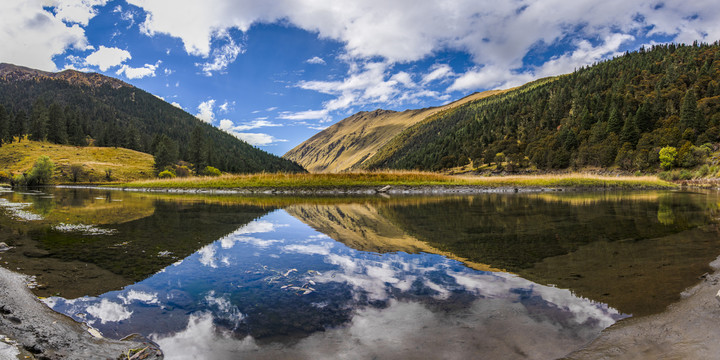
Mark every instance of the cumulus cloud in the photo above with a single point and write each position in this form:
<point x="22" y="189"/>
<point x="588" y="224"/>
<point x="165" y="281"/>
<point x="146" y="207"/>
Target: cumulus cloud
<point x="492" y="76"/>
<point x="76" y="11"/>
<point x="315" y="60"/>
<point x="106" y="57"/>
<point x="32" y="35"/>
<point x="366" y="83"/>
<point x="205" y="111"/>
<point x="497" y="36"/>
<point x="148" y="70"/>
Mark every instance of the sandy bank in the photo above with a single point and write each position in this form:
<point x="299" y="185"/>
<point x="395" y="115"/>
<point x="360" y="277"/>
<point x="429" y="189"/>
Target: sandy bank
<point x="689" y="329"/>
<point x="45" y="334"/>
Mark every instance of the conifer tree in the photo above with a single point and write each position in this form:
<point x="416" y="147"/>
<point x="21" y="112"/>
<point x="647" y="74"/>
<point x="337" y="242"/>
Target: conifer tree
<point x="57" y="126"/>
<point x="4" y="126"/>
<point x="688" y="110"/>
<point x="19" y="126"/>
<point x="615" y="124"/>
<point x="198" y="149"/>
<point x="38" y="121"/>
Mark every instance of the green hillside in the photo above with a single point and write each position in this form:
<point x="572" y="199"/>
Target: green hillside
<point x="82" y="109"/>
<point x="617" y="113"/>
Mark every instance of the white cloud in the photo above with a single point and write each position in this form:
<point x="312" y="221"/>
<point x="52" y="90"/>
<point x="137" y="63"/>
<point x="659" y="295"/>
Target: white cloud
<point x="437" y="72"/>
<point x="76" y="11"/>
<point x="222" y="57"/>
<point x="148" y="70"/>
<point x="258" y="139"/>
<point x="255" y="139"/>
<point x="255" y="125"/>
<point x="315" y="60"/>
<point x="205" y="111"/>
<point x="176" y="104"/>
<point x="31" y="36"/>
<point x="503" y="77"/>
<point x="497" y="35"/>
<point x="105" y="57"/>
<point x="305" y="115"/>
<point x="366" y="83"/>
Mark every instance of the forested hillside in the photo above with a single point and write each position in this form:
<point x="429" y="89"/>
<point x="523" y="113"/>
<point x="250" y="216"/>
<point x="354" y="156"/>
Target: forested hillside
<point x="81" y="109"/>
<point x="621" y="112"/>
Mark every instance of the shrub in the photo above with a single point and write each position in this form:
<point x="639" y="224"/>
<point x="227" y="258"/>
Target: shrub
<point x="76" y="171"/>
<point x="108" y="174"/>
<point x="182" y="171"/>
<point x="41" y="172"/>
<point x="18" y="180"/>
<point x="667" y="157"/>
<point x="166" y="174"/>
<point x="211" y="171"/>
<point x="702" y="171"/>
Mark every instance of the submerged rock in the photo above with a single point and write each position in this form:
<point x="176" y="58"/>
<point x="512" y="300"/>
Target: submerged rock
<point x="4" y="247"/>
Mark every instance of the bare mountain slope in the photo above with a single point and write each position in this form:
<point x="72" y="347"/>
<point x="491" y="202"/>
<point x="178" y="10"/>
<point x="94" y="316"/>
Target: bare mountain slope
<point x="346" y="144"/>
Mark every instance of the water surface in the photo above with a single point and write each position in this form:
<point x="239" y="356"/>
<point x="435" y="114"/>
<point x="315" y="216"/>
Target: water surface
<point x="498" y="276"/>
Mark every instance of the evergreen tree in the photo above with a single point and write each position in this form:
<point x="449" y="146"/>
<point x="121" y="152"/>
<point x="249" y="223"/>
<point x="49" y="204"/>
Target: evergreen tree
<point x="629" y="132"/>
<point x="38" y="121"/>
<point x="57" y="126"/>
<point x="74" y="131"/>
<point x="4" y="126"/>
<point x="688" y="110"/>
<point x="198" y="149"/>
<point x="166" y="153"/>
<point x="615" y="123"/>
<point x="19" y="127"/>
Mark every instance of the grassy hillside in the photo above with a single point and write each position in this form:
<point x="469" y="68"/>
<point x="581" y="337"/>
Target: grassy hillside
<point x="126" y="165"/>
<point x="72" y="107"/>
<point x="347" y="144"/>
<point x="615" y="114"/>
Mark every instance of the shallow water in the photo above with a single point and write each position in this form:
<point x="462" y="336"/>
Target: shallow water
<point x="501" y="276"/>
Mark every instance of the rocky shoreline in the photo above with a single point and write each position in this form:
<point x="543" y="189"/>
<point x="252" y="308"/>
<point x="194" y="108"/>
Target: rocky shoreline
<point x="30" y="329"/>
<point x="360" y="190"/>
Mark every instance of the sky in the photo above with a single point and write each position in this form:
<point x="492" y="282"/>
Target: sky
<point x="276" y="72"/>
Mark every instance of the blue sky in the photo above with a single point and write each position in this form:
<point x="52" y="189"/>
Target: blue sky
<point x="274" y="73"/>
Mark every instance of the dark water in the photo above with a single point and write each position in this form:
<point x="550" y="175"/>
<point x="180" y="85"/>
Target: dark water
<point x="495" y="276"/>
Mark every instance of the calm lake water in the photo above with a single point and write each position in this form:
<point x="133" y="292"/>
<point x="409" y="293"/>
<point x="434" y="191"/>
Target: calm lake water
<point x="526" y="276"/>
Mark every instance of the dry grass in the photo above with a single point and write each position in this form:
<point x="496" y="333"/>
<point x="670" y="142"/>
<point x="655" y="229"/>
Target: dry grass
<point x="126" y="165"/>
<point x="398" y="178"/>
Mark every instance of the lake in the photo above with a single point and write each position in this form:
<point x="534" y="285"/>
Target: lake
<point x="512" y="276"/>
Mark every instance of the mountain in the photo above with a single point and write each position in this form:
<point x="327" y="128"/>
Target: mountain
<point x="615" y="114"/>
<point x="72" y="107"/>
<point x="618" y="113"/>
<point x="348" y="143"/>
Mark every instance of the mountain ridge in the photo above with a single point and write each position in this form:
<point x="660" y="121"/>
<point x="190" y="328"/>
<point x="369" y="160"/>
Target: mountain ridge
<point x="12" y="72"/>
<point x="347" y="144"/>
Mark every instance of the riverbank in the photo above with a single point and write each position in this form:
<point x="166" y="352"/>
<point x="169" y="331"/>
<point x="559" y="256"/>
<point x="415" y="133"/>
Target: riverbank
<point x="30" y="328"/>
<point x="688" y="329"/>
<point x="388" y="182"/>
